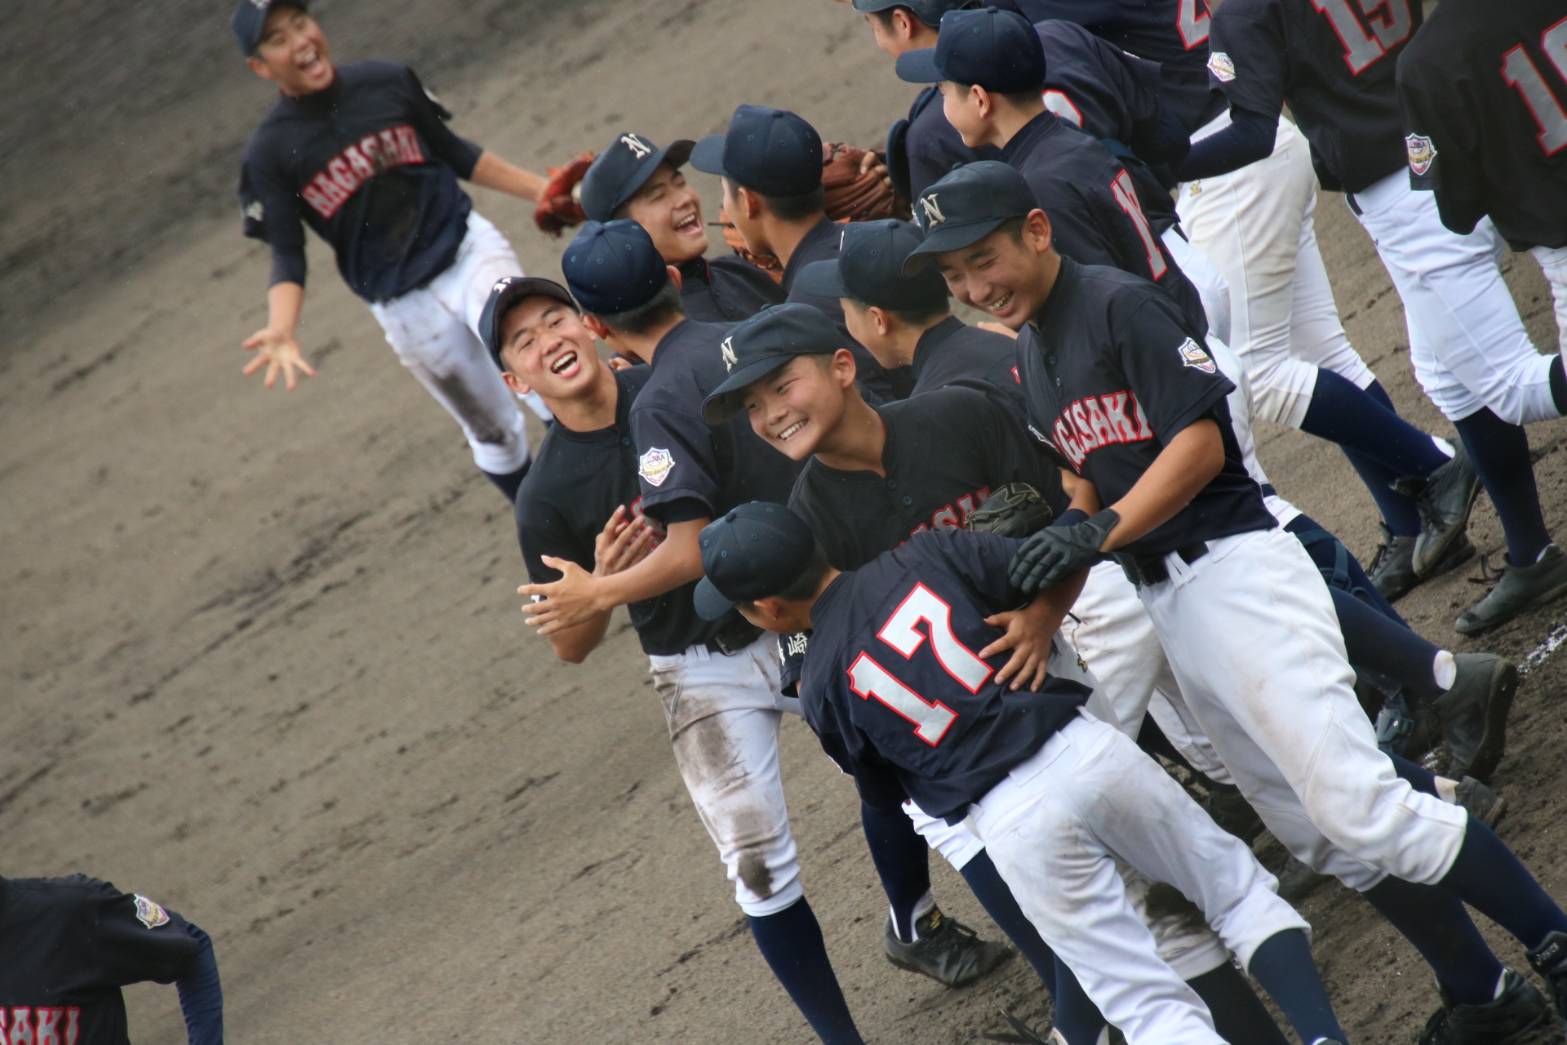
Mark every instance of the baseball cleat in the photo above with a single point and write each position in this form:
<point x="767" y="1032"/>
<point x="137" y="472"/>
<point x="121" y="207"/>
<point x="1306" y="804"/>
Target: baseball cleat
<point x="1518" y="1016"/>
<point x="1444" y="502"/>
<point x="1483" y="804"/>
<point x="1473" y="714"/>
<point x="1408" y="730"/>
<point x="1392" y="569"/>
<point x="1521" y="588"/>
<point x="947" y="950"/>
<point x="1550" y="961"/>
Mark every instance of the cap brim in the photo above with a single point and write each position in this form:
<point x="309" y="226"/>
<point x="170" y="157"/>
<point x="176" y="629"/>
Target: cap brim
<point x="723" y="402"/>
<point x="872" y="6"/>
<point x="527" y="287"/>
<point x="707" y="155"/>
<point x="710" y="603"/>
<point x="919" y="66"/>
<point x="946" y="238"/>
<point x="822" y="277"/>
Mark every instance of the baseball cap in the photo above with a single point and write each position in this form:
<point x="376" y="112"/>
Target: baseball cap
<point x="869" y="268"/>
<point x="754" y="550"/>
<point x="996" y="49"/>
<point x="613" y="267"/>
<point x="764" y="344"/>
<point x="507" y="291"/>
<point x="250" y="18"/>
<point x="771" y="151"/>
<point x="927" y="11"/>
<point x="624" y="167"/>
<point x="965" y="206"/>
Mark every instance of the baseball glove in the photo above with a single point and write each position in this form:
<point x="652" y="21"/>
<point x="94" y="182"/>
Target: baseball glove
<point x="1014" y="510"/>
<point x="858" y="189"/>
<point x="557" y="208"/>
<point x="768" y="263"/>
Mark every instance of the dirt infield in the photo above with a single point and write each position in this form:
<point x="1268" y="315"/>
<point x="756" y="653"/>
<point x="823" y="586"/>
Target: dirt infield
<point x="262" y="655"/>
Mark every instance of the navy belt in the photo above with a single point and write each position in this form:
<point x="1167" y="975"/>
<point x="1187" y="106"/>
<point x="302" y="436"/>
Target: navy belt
<point x="1268" y="490"/>
<point x="733" y="637"/>
<point x="1152" y="569"/>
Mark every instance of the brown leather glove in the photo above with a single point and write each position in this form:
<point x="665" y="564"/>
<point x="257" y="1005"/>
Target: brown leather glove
<point x="557" y="209"/>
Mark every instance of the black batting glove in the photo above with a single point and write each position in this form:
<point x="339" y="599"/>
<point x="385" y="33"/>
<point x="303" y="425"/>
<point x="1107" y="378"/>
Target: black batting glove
<point x="1057" y="552"/>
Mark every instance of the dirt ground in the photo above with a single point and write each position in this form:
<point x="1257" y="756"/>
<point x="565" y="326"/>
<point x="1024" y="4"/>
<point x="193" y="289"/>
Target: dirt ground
<point x="262" y="657"/>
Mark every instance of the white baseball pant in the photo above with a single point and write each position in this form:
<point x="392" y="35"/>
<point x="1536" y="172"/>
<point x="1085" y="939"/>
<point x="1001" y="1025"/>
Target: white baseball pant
<point x="1286" y="724"/>
<point x="435" y="332"/>
<point x="1467" y="343"/>
<point x="1205" y="276"/>
<point x="1553" y="262"/>
<point x="1255" y="225"/>
<point x="1058" y="827"/>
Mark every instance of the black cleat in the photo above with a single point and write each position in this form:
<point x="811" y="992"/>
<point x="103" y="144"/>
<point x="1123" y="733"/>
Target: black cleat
<point x="947" y="950"/>
<point x="1519" y="1016"/>
<point x="1483" y="804"/>
<point x="1550" y="961"/>
<point x="1444" y="502"/>
<point x="1521" y="588"/>
<point x="1392" y="569"/>
<point x="1473" y="714"/>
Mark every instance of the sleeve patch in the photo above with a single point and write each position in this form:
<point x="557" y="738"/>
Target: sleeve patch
<point x="1222" y="68"/>
<point x="150" y="913"/>
<point x="655" y="465"/>
<point x="1422" y="154"/>
<point x="1192" y="355"/>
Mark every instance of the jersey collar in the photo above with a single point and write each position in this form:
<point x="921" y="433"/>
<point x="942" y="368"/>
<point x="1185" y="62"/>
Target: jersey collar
<point x="930" y="342"/>
<point x="807" y="252"/>
<point x="1029" y="135"/>
<point x="1066" y="279"/>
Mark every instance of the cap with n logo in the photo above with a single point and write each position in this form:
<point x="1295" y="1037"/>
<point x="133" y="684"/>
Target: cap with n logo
<point x="967" y="205"/>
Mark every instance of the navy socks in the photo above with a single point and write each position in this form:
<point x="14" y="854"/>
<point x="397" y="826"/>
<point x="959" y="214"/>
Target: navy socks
<point x="1388" y="649"/>
<point x="791" y="941"/>
<point x="1489" y="878"/>
<point x="902" y="862"/>
<point x="1284" y="967"/>
<point x="1433" y="919"/>
<point x="1500" y="452"/>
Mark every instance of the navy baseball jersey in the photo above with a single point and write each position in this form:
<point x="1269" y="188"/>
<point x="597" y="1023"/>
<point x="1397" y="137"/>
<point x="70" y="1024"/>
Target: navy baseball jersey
<point x="69" y="945"/>
<point x="1333" y="62"/>
<point x="371" y="166"/>
<point x="576" y="482"/>
<point x="687" y="468"/>
<point x="952" y="351"/>
<point x="894" y="686"/>
<point x="946" y="451"/>
<point x="1095" y="210"/>
<point x="933" y="146"/>
<point x="1484" y="93"/>
<point x="821" y="244"/>
<point x="1171" y="33"/>
<point x="726" y="289"/>
<point x="1112" y="374"/>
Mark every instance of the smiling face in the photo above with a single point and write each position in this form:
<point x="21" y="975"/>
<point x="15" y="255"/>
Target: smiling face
<point x="293" y="52"/>
<point x="796" y="406"/>
<point x="962" y="108"/>
<point x="671" y="212"/>
<point x="1005" y="274"/>
<point x="547" y="350"/>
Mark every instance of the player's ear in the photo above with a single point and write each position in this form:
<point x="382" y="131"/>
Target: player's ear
<point x="843" y="367"/>
<point x="750" y="202"/>
<point x="766" y="613"/>
<point x="595" y="326"/>
<point x="1036" y="231"/>
<point x="515" y="383"/>
<point x="674" y="275"/>
<point x="984" y="104"/>
<point x="903" y="24"/>
<point x="879" y="317"/>
<point x="259" y="67"/>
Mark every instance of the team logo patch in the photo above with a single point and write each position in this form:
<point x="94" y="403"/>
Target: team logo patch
<point x="1193" y="356"/>
<point x="1222" y="68"/>
<point x="655" y="466"/>
<point x="150" y="913"/>
<point x="1422" y="154"/>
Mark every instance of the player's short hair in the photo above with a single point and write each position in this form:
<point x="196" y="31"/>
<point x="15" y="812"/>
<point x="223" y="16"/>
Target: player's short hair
<point x="1013" y="227"/>
<point x="938" y="306"/>
<point x="663" y="306"/>
<point x="797" y="208"/>
<point x="810" y="578"/>
<point x="1022" y="99"/>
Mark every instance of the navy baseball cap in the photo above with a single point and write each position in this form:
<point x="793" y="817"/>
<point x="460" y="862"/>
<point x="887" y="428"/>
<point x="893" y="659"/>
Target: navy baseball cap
<point x="754" y="550"/>
<point x="967" y="205"/>
<point x="613" y="267"/>
<point x="509" y="290"/>
<point x="764" y="344"/>
<point x="869" y="269"/>
<point x="996" y="49"/>
<point x="623" y="168"/>
<point x="927" y="11"/>
<point x="250" y="18"/>
<point x="771" y="151"/>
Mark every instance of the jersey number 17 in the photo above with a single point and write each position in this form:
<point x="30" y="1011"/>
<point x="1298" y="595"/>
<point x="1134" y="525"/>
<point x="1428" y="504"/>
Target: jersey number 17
<point x="902" y="632"/>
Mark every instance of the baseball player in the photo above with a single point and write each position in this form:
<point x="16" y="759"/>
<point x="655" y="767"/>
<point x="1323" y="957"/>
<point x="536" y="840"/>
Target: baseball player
<point x="634" y="178"/>
<point x="769" y="162"/>
<point x="900" y="698"/>
<point x="70" y="944"/>
<point x="1135" y="407"/>
<point x="1482" y="91"/>
<point x="362" y="154"/>
<point x="1335" y="67"/>
<point x="687" y="473"/>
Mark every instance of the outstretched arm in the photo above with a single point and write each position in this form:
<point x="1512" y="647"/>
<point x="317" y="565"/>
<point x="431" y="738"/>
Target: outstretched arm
<point x="493" y="172"/>
<point x="620" y="545"/>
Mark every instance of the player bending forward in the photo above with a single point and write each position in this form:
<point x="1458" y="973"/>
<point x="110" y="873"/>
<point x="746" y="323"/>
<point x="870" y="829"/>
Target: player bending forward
<point x="361" y="153"/>
<point x="901" y="701"/>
